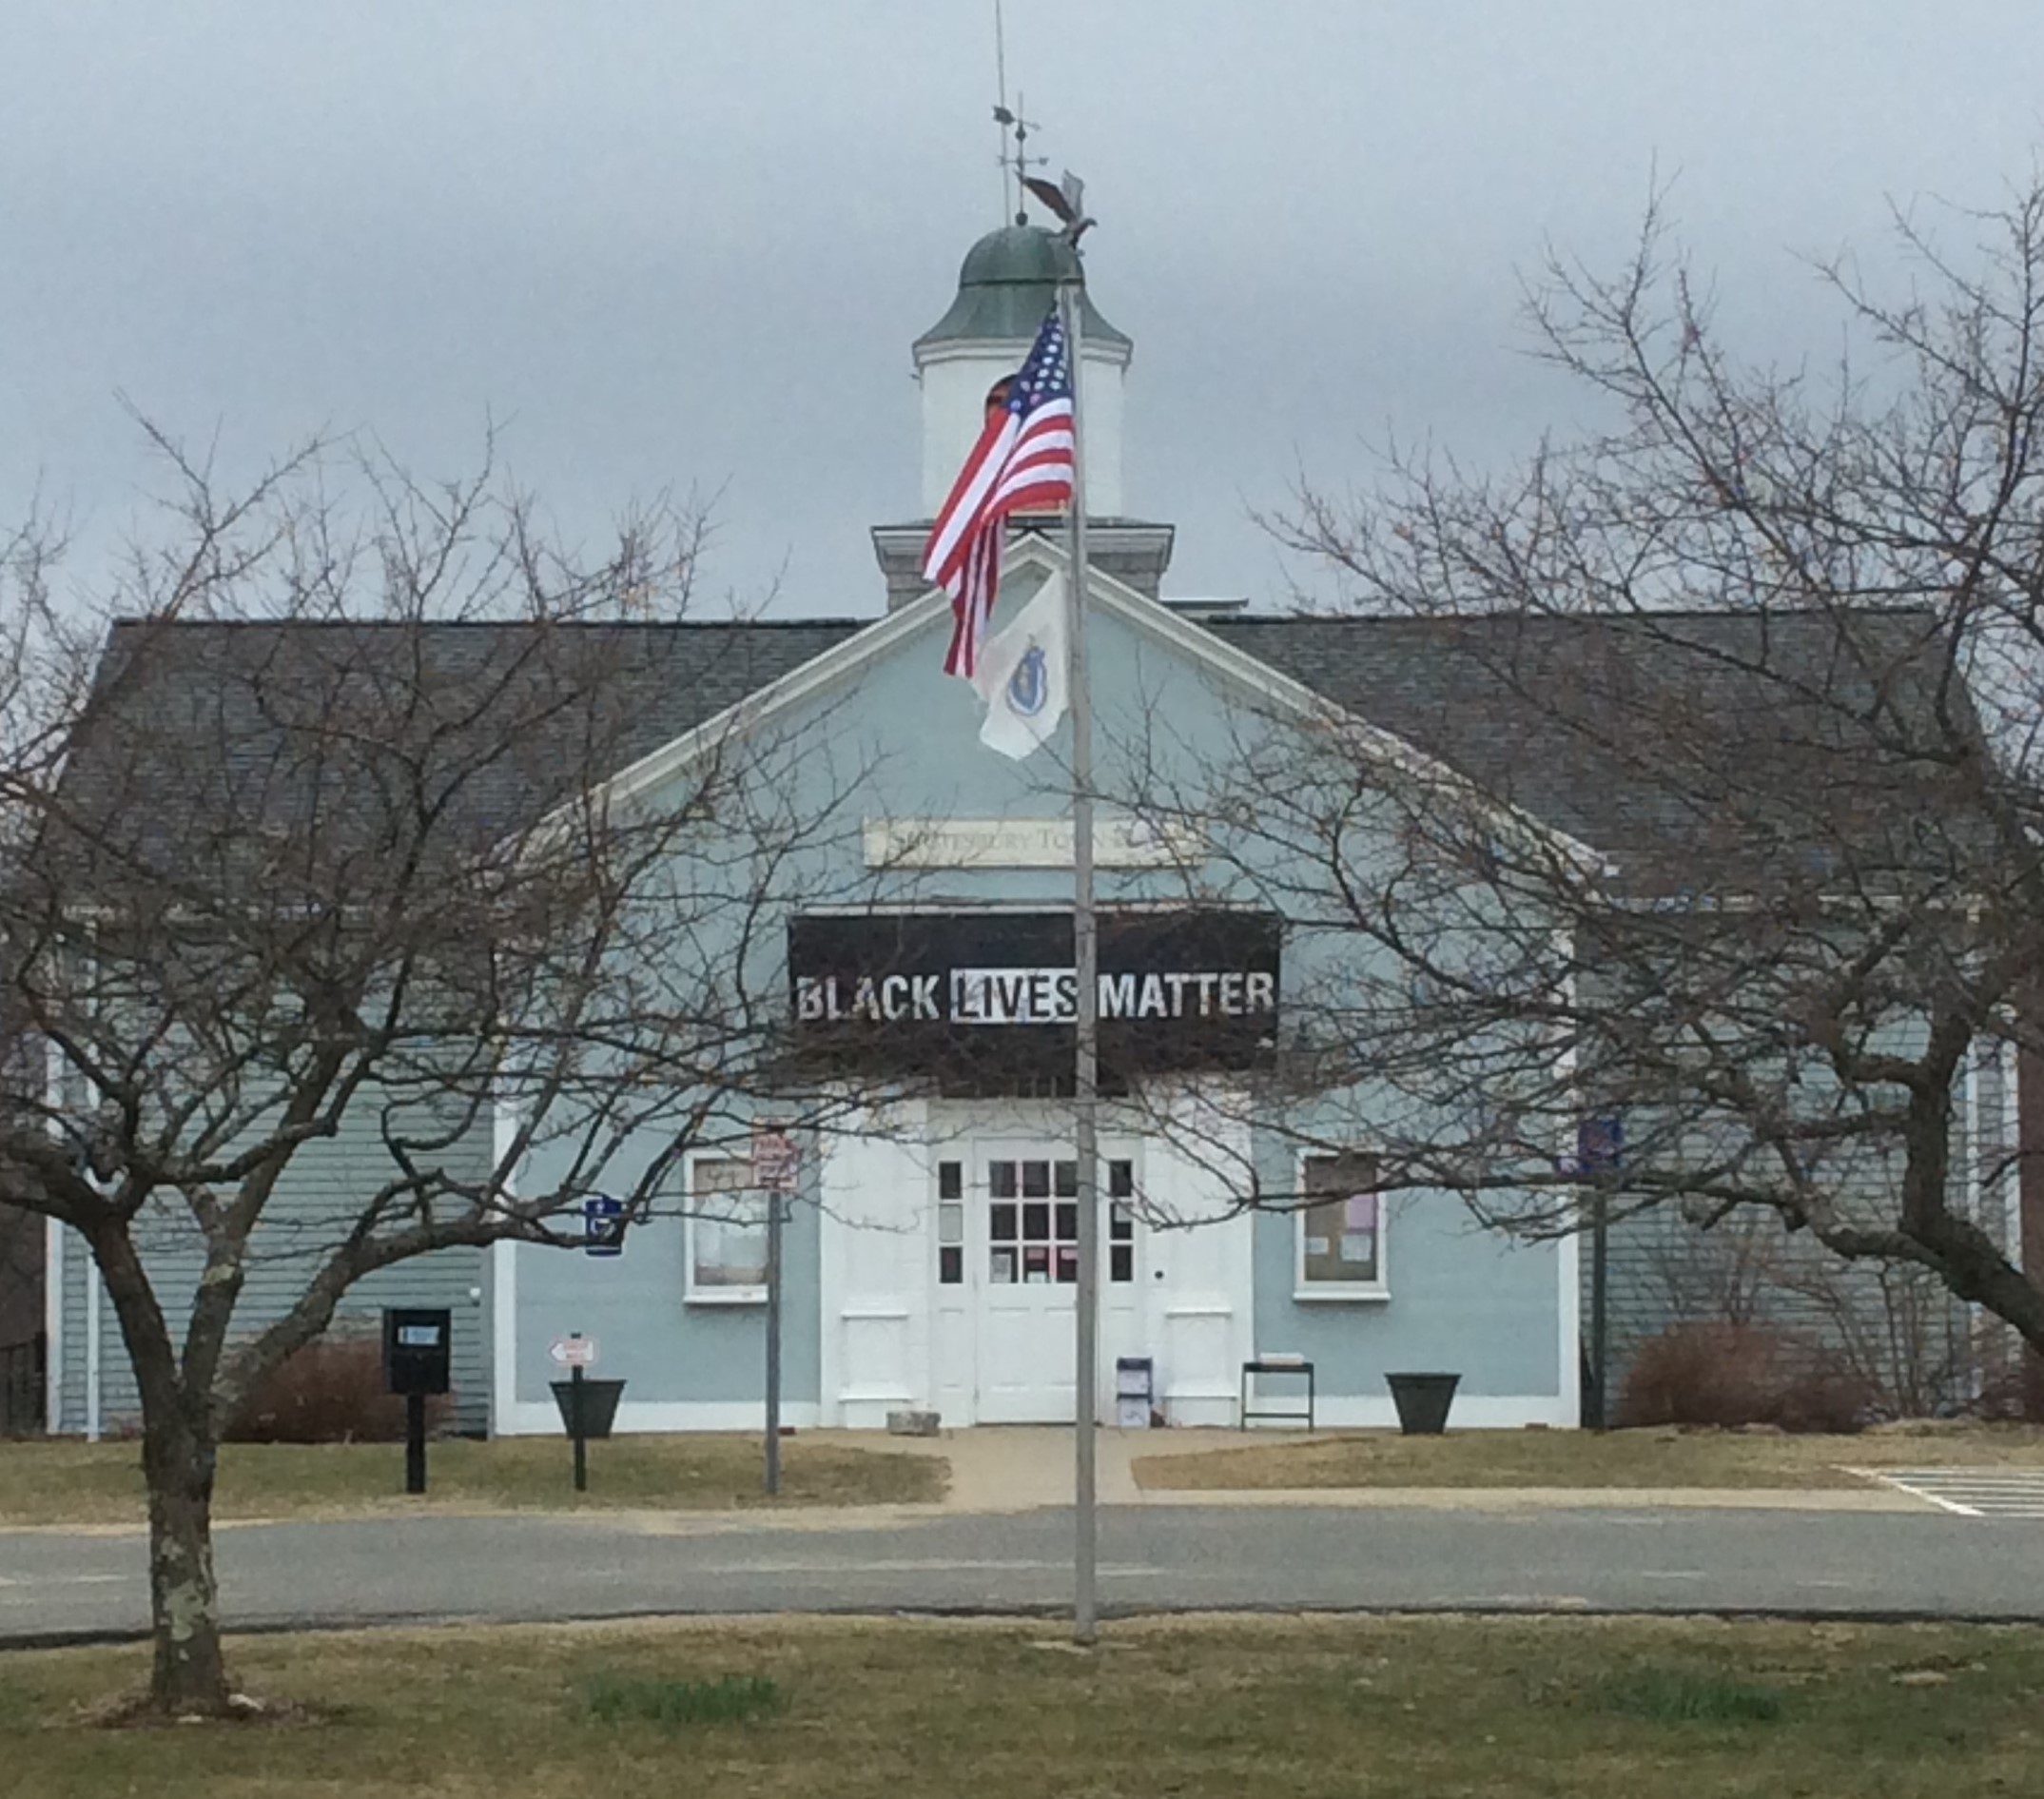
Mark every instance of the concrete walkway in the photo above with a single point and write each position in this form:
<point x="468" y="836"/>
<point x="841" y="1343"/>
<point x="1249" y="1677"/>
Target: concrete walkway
<point x="1018" y="1466"/>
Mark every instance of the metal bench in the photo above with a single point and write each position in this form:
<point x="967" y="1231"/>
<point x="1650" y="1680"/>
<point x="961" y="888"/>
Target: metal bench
<point x="1274" y="1365"/>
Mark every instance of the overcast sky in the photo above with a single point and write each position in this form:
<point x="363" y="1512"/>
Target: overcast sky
<point x="687" y="244"/>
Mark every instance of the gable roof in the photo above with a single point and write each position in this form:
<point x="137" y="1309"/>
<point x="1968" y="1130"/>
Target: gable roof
<point x="1268" y="685"/>
<point x="1539" y="713"/>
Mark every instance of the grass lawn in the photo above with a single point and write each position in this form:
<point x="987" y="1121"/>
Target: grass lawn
<point x="100" y="1483"/>
<point x="1271" y="1707"/>
<point x="1655" y="1457"/>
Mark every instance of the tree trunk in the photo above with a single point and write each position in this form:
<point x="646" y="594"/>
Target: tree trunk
<point x="178" y="1455"/>
<point x="189" y="1678"/>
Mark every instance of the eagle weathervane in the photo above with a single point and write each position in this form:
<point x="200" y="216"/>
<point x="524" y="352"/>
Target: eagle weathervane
<point x="1065" y="201"/>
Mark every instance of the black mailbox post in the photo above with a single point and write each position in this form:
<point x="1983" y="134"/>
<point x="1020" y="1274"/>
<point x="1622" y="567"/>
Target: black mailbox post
<point x="417" y="1340"/>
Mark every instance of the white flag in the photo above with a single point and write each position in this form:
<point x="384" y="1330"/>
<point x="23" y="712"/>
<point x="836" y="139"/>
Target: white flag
<point x="1024" y="675"/>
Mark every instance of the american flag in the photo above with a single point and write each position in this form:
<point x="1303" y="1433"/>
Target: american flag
<point x="1023" y="462"/>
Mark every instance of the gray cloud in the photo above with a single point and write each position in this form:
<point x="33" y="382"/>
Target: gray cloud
<point x="688" y="246"/>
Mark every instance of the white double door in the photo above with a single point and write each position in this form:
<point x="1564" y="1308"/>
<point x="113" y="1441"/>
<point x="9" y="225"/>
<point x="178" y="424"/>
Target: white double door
<point x="1022" y="1251"/>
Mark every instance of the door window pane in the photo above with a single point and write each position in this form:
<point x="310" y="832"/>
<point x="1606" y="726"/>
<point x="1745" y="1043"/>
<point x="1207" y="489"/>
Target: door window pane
<point x="1035" y="1179"/>
<point x="1066" y="1176"/>
<point x="1036" y="1223"/>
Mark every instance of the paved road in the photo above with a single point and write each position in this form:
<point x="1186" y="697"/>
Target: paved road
<point x="1156" y="1557"/>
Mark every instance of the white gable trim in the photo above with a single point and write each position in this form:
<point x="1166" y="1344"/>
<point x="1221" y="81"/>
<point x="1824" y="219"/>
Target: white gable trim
<point x="841" y="662"/>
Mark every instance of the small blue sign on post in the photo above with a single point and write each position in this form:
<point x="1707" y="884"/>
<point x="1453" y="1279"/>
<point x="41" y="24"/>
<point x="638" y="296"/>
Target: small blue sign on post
<point x="603" y="1226"/>
<point x="1600" y="1144"/>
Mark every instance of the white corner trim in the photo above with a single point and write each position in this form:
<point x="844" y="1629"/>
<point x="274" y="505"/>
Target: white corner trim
<point x="2008" y="1145"/>
<point x="53" y="1258"/>
<point x="94" y="1418"/>
<point x="504" y="1125"/>
<point x="53" y="1233"/>
<point x="1569" y="1278"/>
<point x="503" y="1331"/>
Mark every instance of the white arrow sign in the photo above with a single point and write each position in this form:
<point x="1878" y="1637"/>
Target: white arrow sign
<point x="574" y="1350"/>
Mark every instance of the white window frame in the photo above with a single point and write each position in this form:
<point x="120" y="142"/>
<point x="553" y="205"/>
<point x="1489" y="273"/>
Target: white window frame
<point x="1339" y="1292"/>
<point x="691" y="1293"/>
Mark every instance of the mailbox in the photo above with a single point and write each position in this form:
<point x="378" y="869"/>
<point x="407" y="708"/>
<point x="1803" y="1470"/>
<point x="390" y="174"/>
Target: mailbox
<point x="416" y="1341"/>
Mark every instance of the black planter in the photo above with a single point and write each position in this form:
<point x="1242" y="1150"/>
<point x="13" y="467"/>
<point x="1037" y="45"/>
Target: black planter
<point x="1422" y="1401"/>
<point x="599" y="1404"/>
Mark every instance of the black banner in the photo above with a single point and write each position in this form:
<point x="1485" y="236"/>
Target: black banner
<point x="985" y="1001"/>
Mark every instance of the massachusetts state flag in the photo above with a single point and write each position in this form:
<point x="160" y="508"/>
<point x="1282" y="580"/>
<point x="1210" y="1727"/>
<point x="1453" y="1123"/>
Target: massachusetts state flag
<point x="1023" y="462"/>
<point x="1026" y="674"/>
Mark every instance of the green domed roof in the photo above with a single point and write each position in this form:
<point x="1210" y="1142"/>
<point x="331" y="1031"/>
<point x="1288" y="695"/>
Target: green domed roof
<point x="1008" y="283"/>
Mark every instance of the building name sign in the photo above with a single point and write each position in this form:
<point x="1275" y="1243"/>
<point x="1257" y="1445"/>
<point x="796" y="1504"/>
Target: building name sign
<point x="1022" y="843"/>
<point x="992" y="997"/>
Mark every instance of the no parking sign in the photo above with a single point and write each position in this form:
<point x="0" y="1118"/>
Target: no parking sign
<point x="776" y="1160"/>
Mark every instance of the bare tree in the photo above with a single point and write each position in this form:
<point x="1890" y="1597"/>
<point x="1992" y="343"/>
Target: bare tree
<point x="1741" y="699"/>
<point x="306" y="830"/>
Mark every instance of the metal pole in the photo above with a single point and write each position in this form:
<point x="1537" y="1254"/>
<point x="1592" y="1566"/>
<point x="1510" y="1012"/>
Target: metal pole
<point x="577" y="1399"/>
<point x="1085" y="1072"/>
<point x="774" y="1343"/>
<point x="415" y="1443"/>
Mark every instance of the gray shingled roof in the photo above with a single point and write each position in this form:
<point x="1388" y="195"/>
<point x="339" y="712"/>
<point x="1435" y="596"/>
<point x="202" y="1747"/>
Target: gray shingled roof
<point x="1550" y="715"/>
<point x="1750" y="739"/>
<point x="272" y="726"/>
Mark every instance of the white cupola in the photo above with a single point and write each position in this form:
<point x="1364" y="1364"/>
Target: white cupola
<point x="1008" y="282"/>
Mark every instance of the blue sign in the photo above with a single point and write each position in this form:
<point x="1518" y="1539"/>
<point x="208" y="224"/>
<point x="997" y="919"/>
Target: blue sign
<point x="603" y="1226"/>
<point x="1600" y="1144"/>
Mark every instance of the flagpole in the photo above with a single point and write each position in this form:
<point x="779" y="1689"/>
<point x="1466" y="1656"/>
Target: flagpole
<point x="1085" y="1072"/>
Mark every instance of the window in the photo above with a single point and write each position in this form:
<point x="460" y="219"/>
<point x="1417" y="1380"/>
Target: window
<point x="727" y="1232"/>
<point x="1032" y="1223"/>
<point x="1341" y="1229"/>
<point x="1121" y="1221"/>
<point x="952" y="1223"/>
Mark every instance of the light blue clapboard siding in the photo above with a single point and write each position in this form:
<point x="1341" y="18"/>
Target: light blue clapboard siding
<point x="322" y="1192"/>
